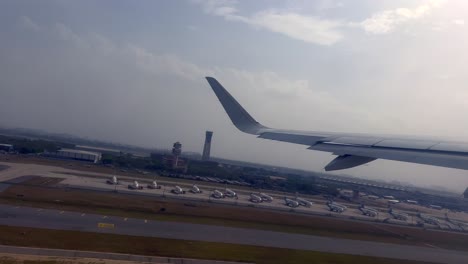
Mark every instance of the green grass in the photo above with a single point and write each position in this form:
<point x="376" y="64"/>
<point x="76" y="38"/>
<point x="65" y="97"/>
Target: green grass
<point x="74" y="240"/>
<point x="11" y="260"/>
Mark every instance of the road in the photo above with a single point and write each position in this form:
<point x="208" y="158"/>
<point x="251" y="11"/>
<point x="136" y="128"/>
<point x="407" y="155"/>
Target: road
<point x="64" y="220"/>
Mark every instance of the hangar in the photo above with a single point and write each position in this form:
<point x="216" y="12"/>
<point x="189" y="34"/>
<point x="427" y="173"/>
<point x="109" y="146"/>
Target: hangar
<point x="75" y="154"/>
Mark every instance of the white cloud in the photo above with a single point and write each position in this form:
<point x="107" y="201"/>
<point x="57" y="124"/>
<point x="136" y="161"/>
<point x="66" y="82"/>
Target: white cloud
<point x="65" y="33"/>
<point x="193" y="28"/>
<point x="223" y="8"/>
<point x="314" y="29"/>
<point x="328" y="4"/>
<point x="27" y="23"/>
<point x="459" y="22"/>
<point x="164" y="64"/>
<point x="306" y="28"/>
<point x="386" y="21"/>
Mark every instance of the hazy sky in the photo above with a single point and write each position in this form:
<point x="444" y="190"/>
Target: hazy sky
<point x="133" y="72"/>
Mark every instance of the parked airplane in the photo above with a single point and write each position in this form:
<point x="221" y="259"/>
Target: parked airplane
<point x="154" y="185"/>
<point x="255" y="198"/>
<point x="177" y="190"/>
<point x="393" y="201"/>
<point x="291" y="202"/>
<point x="217" y="194"/>
<point x="304" y="202"/>
<point x="336" y="207"/>
<point x="429" y="219"/>
<point x="135" y="186"/>
<point x="113" y="180"/>
<point x="398" y="215"/>
<point x="265" y="197"/>
<point x="412" y="202"/>
<point x="368" y="211"/>
<point x="352" y="149"/>
<point x="230" y="193"/>
<point x="195" y="189"/>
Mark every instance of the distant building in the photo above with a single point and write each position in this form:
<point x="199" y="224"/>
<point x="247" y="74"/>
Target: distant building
<point x="177" y="149"/>
<point x="75" y="154"/>
<point x="6" y="147"/>
<point x="175" y="162"/>
<point x="438" y="207"/>
<point x="207" y="146"/>
<point x="99" y="149"/>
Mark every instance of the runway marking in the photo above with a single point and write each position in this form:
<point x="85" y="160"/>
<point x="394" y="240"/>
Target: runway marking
<point x="432" y="246"/>
<point x="125" y="219"/>
<point x="83" y="214"/>
<point x="62" y="212"/>
<point x="105" y="225"/>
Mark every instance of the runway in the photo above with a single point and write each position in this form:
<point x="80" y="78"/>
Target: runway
<point x="65" y="220"/>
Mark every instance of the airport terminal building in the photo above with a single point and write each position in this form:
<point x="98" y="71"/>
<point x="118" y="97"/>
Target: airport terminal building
<point x="75" y="154"/>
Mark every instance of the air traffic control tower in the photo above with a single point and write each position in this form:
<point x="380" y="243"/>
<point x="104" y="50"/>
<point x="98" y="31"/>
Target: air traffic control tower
<point x="207" y="147"/>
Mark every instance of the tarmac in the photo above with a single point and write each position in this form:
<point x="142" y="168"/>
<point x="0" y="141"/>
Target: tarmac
<point x="73" y="177"/>
<point x="65" y="220"/>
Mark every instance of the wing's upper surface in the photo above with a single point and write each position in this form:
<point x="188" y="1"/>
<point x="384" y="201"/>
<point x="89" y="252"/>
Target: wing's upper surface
<point x="352" y="149"/>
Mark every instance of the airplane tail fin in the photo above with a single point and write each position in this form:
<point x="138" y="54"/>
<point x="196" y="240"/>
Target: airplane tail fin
<point x="239" y="116"/>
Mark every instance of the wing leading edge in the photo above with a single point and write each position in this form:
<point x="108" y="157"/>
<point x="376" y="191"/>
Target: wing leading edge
<point x="352" y="149"/>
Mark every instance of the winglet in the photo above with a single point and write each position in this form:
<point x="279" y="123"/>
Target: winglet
<point x="239" y="116"/>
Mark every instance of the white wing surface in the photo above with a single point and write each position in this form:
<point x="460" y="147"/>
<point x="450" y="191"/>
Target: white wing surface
<point x="352" y="149"/>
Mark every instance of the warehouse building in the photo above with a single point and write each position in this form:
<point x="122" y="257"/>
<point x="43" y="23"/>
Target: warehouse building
<point x="76" y="155"/>
<point x="6" y="147"/>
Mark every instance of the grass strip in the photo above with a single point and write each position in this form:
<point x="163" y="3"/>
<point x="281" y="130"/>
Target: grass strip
<point x="74" y="240"/>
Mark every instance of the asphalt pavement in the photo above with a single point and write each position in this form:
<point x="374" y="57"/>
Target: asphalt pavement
<point x="65" y="220"/>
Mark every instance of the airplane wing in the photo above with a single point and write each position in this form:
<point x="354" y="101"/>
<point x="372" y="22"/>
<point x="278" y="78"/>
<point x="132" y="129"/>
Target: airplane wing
<point x="352" y="149"/>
